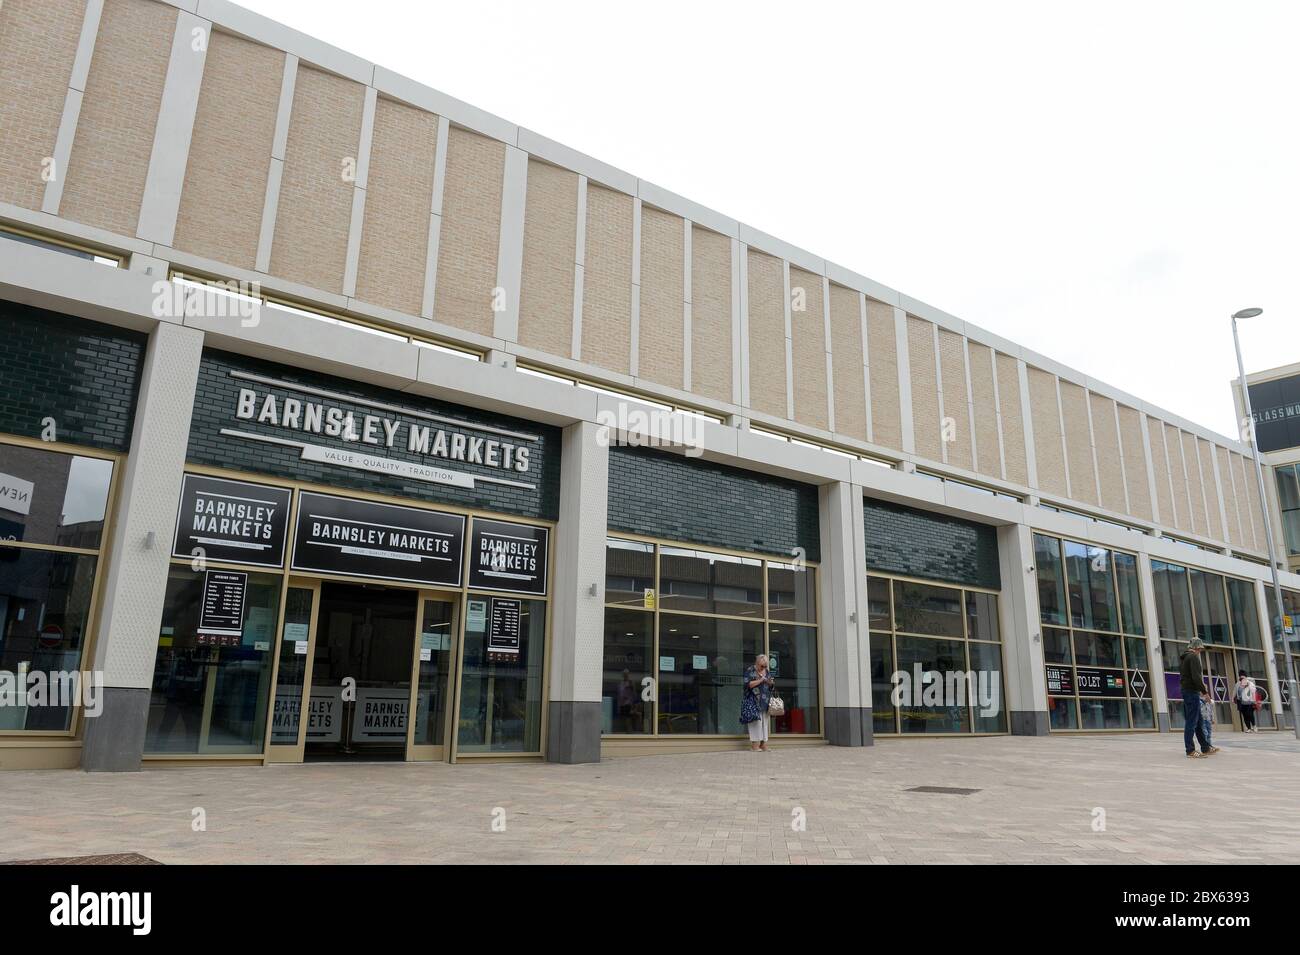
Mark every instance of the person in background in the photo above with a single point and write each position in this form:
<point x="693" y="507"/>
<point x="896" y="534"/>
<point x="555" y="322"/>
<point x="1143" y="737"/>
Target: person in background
<point x="1191" y="682"/>
<point x="1246" y="694"/>
<point x="753" y="709"/>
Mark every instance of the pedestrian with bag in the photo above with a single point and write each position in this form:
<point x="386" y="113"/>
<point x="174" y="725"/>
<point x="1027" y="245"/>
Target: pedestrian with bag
<point x="756" y="702"/>
<point x="1246" y="695"/>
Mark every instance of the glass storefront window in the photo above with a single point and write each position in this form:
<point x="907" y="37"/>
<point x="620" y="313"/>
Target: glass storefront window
<point x="1097" y="649"/>
<point x="45" y="599"/>
<point x="1245" y="614"/>
<point x="627" y="699"/>
<point x="59" y="498"/>
<point x="944" y="657"/>
<point x="927" y="609"/>
<point x="1056" y="645"/>
<point x="878" y="610"/>
<point x="501" y="694"/>
<point x="1092" y="593"/>
<point x="791" y="593"/>
<point x="986" y="664"/>
<point x="1173" y="604"/>
<point x="437" y="637"/>
<point x="792" y="655"/>
<point x="702" y="664"/>
<point x="704" y="582"/>
<point x="1130" y="599"/>
<point x="981" y="616"/>
<point x="629" y="573"/>
<point x="1051" y="580"/>
<point x="210" y="693"/>
<point x="1209" y="605"/>
<point x="1103" y="714"/>
<point x="1062" y="713"/>
<point x="882" y="666"/>
<point x="1137" y="653"/>
<point x="1288" y="495"/>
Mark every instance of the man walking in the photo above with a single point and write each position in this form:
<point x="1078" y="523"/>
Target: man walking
<point x="1193" y="687"/>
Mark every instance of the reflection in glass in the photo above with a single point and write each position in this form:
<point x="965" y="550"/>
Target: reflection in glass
<point x="1137" y="653"/>
<point x="925" y="608"/>
<point x="44" y="611"/>
<point x="1062" y="713"/>
<point x="629" y="572"/>
<point x="1211" y="608"/>
<point x="791" y="593"/>
<point x="1245" y="614"/>
<point x="990" y="714"/>
<point x="1103" y="714"/>
<point x="1051" y="580"/>
<point x="1144" y="714"/>
<point x="501" y="693"/>
<point x="626" y="705"/>
<point x="704" y="582"/>
<point x="67" y="502"/>
<point x="878" y="613"/>
<point x="981" y="616"/>
<point x="702" y="663"/>
<point x="437" y="635"/>
<point x="882" y="667"/>
<point x="1130" y="599"/>
<point x="1092" y="594"/>
<point x="792" y="656"/>
<point x="286" y="712"/>
<point x="1056" y="645"/>
<point x="946" y="657"/>
<point x="1173" y="604"/>
<point x="1096" y="650"/>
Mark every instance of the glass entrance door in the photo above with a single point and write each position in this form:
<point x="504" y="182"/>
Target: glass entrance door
<point x="293" y="672"/>
<point x="361" y="672"/>
<point x="1219" y="679"/>
<point x="435" y="662"/>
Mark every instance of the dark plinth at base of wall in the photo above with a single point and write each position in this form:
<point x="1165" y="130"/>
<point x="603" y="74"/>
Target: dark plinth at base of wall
<point x="849" y="726"/>
<point x="114" y="740"/>
<point x="1030" y="723"/>
<point x="574" y="732"/>
<point x="1162" y="721"/>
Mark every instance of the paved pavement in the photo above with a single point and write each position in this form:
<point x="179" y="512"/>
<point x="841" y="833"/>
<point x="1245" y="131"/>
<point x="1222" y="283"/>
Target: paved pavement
<point x="1038" y="802"/>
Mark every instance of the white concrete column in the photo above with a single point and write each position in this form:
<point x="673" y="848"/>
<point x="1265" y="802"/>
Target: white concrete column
<point x="1151" y="623"/>
<point x="1264" y="608"/>
<point x="846" y="660"/>
<point x="578" y="606"/>
<point x="1022" y="633"/>
<point x="126" y="642"/>
<point x="510" y="247"/>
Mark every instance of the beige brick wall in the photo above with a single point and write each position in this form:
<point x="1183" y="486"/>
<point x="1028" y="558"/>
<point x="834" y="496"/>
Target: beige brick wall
<point x="607" y="280"/>
<point x="988" y="461"/>
<point x="767" y="384"/>
<point x="110" y="153"/>
<point x="1048" y="453"/>
<point x="1205" y="453"/>
<point x="952" y="365"/>
<point x="926" y="422"/>
<point x="882" y="365"/>
<point x="1231" y="497"/>
<point x="1078" y="443"/>
<point x="808" y="350"/>
<point x="470" y="235"/>
<point x="710" y="314"/>
<point x="399" y="190"/>
<point x="220" y="215"/>
<point x="1178" y="471"/>
<point x="1013" y="426"/>
<point x="38" y="42"/>
<point x="1195" y="484"/>
<point x="315" y="210"/>
<point x="846" y="353"/>
<point x="1111" y="466"/>
<point x="1135" y="462"/>
<point x="550" y="250"/>
<point x="1252" y="514"/>
<point x="1169" y="513"/>
<point x="663" y="294"/>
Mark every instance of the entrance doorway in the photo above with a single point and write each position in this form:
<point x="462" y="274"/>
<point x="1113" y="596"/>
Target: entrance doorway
<point x="1219" y="679"/>
<point x="357" y="660"/>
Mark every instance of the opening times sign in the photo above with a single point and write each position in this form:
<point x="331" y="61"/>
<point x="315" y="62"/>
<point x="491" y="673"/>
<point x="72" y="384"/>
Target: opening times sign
<point x="221" y="613"/>
<point x="505" y="629"/>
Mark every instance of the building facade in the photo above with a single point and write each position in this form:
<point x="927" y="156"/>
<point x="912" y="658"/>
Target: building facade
<point x="343" y="419"/>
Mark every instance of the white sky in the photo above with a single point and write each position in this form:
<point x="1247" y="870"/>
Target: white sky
<point x="1102" y="182"/>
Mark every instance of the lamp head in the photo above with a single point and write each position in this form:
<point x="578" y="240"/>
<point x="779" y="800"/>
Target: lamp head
<point x="1248" y="313"/>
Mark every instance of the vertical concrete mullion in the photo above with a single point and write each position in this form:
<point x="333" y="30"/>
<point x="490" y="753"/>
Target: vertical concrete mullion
<point x="365" y="140"/>
<point x="53" y="195"/>
<point x="938" y="381"/>
<point x="634" y="363"/>
<point x="906" y="424"/>
<point x="1169" y="473"/>
<point x="866" y="363"/>
<point x="1092" y="446"/>
<point x="789" y="344"/>
<point x="1123" y="464"/>
<point x="843" y="631"/>
<point x="1151" y="623"/>
<point x="997" y="414"/>
<point x="739" y="323"/>
<point x="830" y="348"/>
<point x="1264" y="609"/>
<point x="688" y="231"/>
<point x="1026" y="680"/>
<point x="435" y="218"/>
<point x="579" y="269"/>
<point x="510" y="245"/>
<point x="1065" y="445"/>
<point x="276" y="170"/>
<point x="970" y="404"/>
<point x="1027" y="424"/>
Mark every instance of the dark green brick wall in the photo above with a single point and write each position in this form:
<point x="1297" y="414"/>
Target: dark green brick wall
<point x="217" y="399"/>
<point x="660" y="494"/>
<point x="84" y="375"/>
<point x="913" y="543"/>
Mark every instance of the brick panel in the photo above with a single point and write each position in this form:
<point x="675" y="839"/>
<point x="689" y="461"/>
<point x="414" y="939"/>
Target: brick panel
<point x="1178" y="471"/>
<point x="220" y="214"/>
<point x="38" y="42"/>
<point x="1013" y="422"/>
<point x="882" y="367"/>
<point x="846" y="355"/>
<point x="1135" y="463"/>
<point x="1205" y="453"/>
<point x="988" y="460"/>
<point x="952" y="359"/>
<point x="84" y="375"/>
<point x="914" y="543"/>
<point x="315" y="211"/>
<point x="1046" y="419"/>
<point x="1109" y="470"/>
<point x="767" y="384"/>
<point x="926" y="423"/>
<point x="471" y="231"/>
<point x="1161" y="472"/>
<point x="607" y="280"/>
<point x="550" y="247"/>
<point x="1248" y="488"/>
<point x="114" y="140"/>
<point x="1231" y="497"/>
<point x="710" y="314"/>
<point x="1078" y="443"/>
<point x="399" y="189"/>
<point x="663" y="292"/>
<point x="660" y="494"/>
<point x="808" y="350"/>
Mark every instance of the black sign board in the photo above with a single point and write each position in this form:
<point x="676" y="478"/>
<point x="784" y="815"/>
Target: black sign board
<point x="504" y="629"/>
<point x="232" y="521"/>
<point x="1276" y="407"/>
<point x="504" y="555"/>
<point x="1060" y="680"/>
<point x="1100" y="682"/>
<point x="342" y="535"/>
<point x="221" y="614"/>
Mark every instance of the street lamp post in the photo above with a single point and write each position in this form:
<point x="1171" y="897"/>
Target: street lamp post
<point x="1268" y="520"/>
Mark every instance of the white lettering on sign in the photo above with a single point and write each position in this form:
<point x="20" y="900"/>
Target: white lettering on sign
<point x="16" y="494"/>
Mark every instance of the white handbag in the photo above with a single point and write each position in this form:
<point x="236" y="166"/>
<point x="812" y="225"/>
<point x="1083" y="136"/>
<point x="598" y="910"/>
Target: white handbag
<point x="775" y="706"/>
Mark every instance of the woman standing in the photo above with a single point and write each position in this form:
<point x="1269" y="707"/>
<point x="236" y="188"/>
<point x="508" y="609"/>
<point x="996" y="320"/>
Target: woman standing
<point x="1246" y="694"/>
<point x="753" y="708"/>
